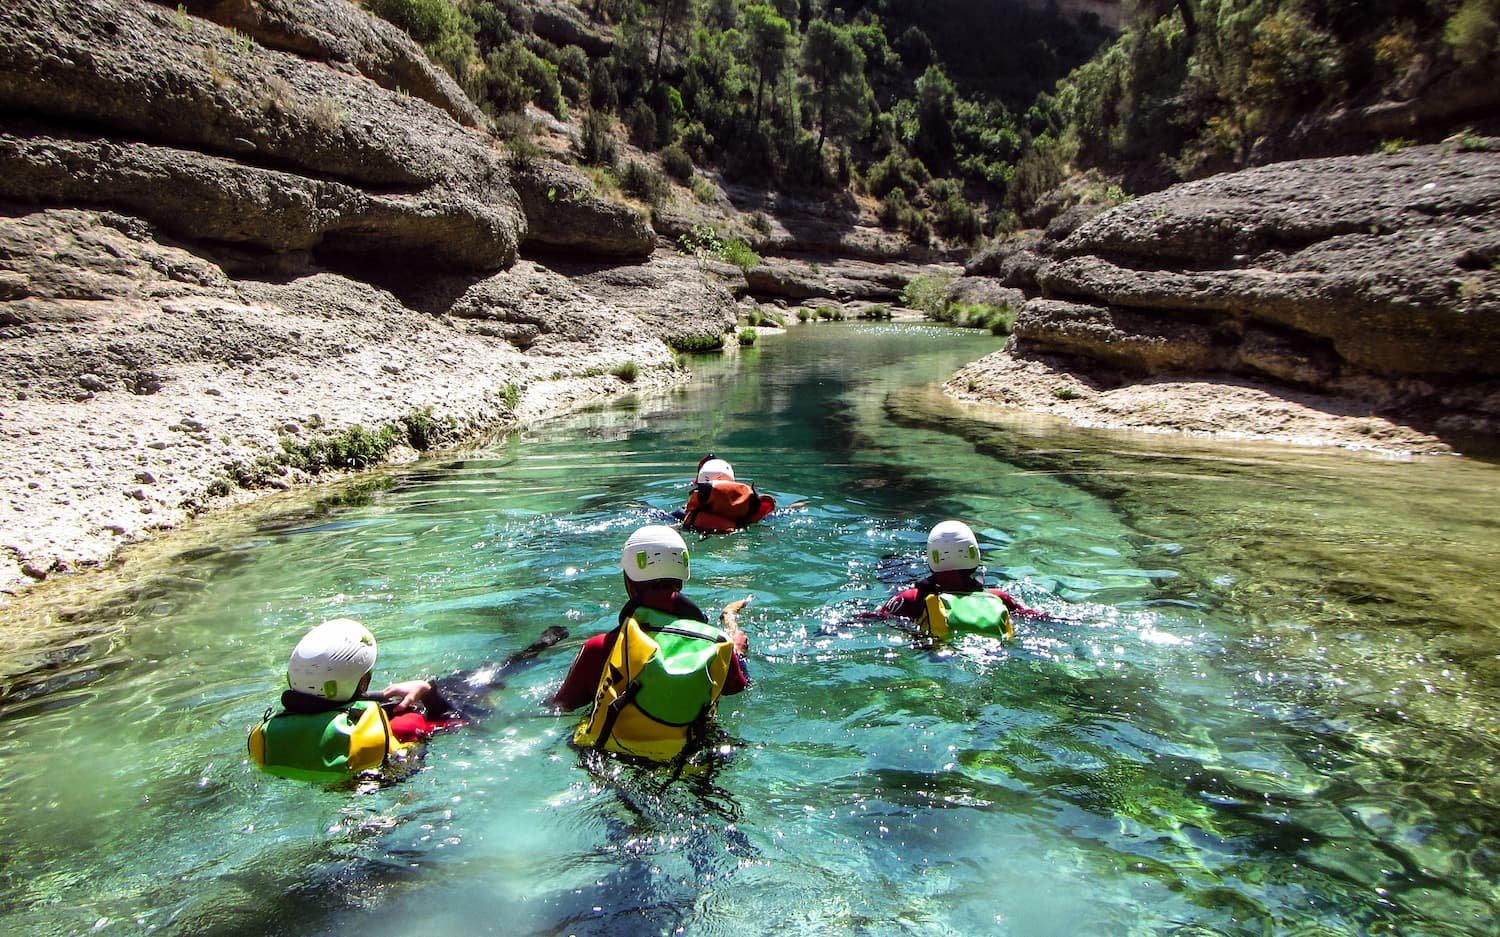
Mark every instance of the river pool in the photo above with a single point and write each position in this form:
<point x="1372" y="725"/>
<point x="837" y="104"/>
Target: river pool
<point x="1264" y="700"/>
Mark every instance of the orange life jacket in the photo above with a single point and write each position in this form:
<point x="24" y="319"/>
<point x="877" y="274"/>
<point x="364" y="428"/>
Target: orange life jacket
<point x="725" y="505"/>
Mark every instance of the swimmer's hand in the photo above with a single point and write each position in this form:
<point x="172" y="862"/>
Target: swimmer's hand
<point x="408" y="694"/>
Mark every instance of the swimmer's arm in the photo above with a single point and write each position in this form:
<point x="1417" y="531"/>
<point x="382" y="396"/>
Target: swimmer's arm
<point x="730" y="619"/>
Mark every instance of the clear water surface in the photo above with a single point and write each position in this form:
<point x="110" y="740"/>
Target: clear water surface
<point x="1265" y="701"/>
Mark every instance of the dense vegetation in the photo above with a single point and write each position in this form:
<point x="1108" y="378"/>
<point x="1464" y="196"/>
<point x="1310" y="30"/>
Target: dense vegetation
<point x="1199" y="86"/>
<point x="956" y="115"/>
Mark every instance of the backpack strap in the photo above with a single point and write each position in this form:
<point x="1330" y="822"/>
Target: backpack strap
<point x="624" y="699"/>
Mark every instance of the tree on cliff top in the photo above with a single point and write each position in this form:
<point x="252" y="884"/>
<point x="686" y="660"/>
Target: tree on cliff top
<point x="768" y="40"/>
<point x="834" y="66"/>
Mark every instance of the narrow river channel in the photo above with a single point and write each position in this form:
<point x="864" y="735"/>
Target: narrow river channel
<point x="1264" y="702"/>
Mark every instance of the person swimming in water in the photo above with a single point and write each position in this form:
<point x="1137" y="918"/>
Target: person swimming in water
<point x="655" y="679"/>
<point x="953" y="565"/>
<point x="331" y="727"/>
<point x="719" y="503"/>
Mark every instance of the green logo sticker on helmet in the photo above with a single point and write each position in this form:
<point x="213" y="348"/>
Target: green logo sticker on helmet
<point x="640" y="559"/>
<point x="974" y="553"/>
<point x="331" y="689"/>
<point x="684" y="559"/>
<point x="934" y="560"/>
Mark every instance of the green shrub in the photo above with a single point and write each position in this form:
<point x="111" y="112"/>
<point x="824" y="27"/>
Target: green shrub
<point x="747" y="337"/>
<point x="737" y="252"/>
<point x="596" y="140"/>
<point x="803" y="315"/>
<point x="641" y="181"/>
<point x="524" y="153"/>
<point x="1467" y="141"/>
<point x="514" y="75"/>
<point x="355" y="448"/>
<point x="676" y="163"/>
<point x="999" y="320"/>
<point x="1396" y="145"/>
<point x="894" y="208"/>
<point x="1065" y="393"/>
<point x="953" y="215"/>
<point x="759" y="223"/>
<point x="897" y="171"/>
<point x="703" y="190"/>
<point x="511" y="396"/>
<point x="1471" y="33"/>
<point x="695" y="344"/>
<point x="626" y="372"/>
<point x="424" y="20"/>
<point x="919" y="230"/>
<point x="422" y="431"/>
<point x="878" y="311"/>
<point x="704" y="241"/>
<point x="640" y="123"/>
<point x="929" y="294"/>
<point x="573" y="73"/>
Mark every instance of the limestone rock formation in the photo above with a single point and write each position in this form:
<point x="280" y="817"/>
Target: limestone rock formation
<point x="187" y="122"/>
<point x="338" y="33"/>
<point x="233" y="231"/>
<point x="1375" y="278"/>
<point x="565" y="214"/>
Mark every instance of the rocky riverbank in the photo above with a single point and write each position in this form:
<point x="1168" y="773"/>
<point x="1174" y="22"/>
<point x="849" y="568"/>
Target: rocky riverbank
<point x="144" y="385"/>
<point x="243" y="244"/>
<point x="1347" y="301"/>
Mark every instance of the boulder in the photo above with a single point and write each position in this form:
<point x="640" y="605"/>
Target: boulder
<point x="829" y="278"/>
<point x="563" y="213"/>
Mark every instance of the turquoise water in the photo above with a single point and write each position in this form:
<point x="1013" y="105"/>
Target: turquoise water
<point x="1264" y="702"/>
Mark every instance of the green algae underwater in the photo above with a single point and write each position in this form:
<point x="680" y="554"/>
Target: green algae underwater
<point x="1263" y="700"/>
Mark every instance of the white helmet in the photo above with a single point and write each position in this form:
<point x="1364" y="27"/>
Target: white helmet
<point x="715" y="470"/>
<point x="654" y="552"/>
<point x="952" y="545"/>
<point x="332" y="659"/>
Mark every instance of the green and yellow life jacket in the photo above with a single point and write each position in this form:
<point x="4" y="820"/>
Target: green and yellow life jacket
<point x="982" y="612"/>
<point x="325" y="747"/>
<point x="659" y="686"/>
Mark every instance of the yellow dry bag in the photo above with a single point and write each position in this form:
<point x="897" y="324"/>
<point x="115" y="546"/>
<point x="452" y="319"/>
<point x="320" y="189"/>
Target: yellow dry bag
<point x="659" y="687"/>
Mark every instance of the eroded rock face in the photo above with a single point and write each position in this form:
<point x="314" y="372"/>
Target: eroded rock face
<point x="1372" y="277"/>
<point x="341" y="34"/>
<point x="188" y="124"/>
<point x="829" y="278"/>
<point x="565" y="214"/>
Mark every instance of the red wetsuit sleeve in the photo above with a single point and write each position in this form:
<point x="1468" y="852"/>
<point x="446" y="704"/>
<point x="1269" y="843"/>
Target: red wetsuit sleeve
<point x="409" y="727"/>
<point x="904" y="604"/>
<point x="738" y="679"/>
<point x="1012" y="603"/>
<point x="582" y="681"/>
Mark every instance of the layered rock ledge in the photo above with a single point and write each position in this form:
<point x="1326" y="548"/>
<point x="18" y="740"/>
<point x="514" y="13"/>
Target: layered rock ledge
<point x="1363" y="287"/>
